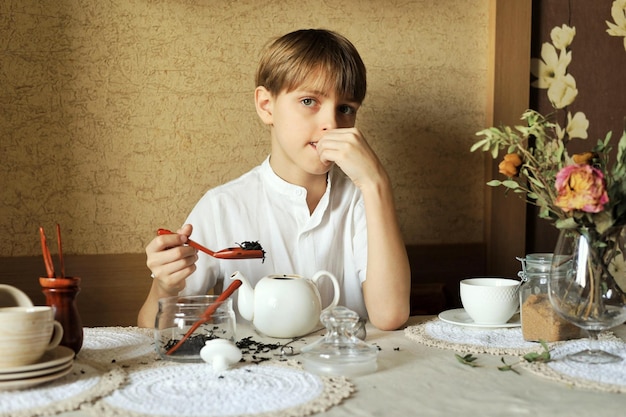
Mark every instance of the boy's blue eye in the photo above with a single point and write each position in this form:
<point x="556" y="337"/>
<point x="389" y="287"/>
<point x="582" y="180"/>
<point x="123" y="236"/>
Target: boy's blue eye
<point x="308" y="101"/>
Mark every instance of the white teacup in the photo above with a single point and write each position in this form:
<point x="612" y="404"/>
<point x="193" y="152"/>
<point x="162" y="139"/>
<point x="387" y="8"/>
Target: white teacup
<point x="490" y="300"/>
<point x="26" y="331"/>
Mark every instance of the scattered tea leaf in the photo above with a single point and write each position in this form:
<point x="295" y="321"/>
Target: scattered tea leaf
<point x="469" y="360"/>
<point x="507" y="367"/>
<point x="539" y="357"/>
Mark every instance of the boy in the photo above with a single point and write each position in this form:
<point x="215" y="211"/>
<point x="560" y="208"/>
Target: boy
<point x="321" y="200"/>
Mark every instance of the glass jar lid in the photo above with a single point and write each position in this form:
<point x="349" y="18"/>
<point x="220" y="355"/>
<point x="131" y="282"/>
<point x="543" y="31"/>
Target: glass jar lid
<point x="340" y="351"/>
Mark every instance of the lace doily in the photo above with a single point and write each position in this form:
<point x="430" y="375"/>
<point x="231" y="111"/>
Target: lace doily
<point x="120" y="345"/>
<point x="439" y="334"/>
<point x="608" y="377"/>
<point x="271" y="389"/>
<point x="85" y="383"/>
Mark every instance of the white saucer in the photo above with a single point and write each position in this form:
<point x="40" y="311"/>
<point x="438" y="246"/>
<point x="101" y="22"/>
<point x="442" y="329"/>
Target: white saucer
<point x="31" y="382"/>
<point x="36" y="372"/>
<point x="57" y="356"/>
<point x="460" y="317"/>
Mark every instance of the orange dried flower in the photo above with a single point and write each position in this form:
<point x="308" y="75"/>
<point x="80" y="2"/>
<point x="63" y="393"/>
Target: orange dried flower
<point x="510" y="165"/>
<point x="584" y="158"/>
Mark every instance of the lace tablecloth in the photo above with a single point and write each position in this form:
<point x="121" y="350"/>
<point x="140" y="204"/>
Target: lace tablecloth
<point x="269" y="389"/>
<point x="509" y="341"/>
<point x="118" y="373"/>
<point x="607" y="377"/>
<point x="497" y="341"/>
<point x="86" y="383"/>
<point x="118" y="345"/>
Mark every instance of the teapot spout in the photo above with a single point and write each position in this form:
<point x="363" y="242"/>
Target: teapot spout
<point x="245" y="299"/>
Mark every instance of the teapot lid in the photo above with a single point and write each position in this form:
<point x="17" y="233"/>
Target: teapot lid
<point x="340" y="352"/>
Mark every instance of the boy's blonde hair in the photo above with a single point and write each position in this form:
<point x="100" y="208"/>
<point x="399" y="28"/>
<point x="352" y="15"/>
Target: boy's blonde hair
<point x="321" y="57"/>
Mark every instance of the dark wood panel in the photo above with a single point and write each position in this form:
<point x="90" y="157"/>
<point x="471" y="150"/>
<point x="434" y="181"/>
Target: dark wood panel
<point x="600" y="87"/>
<point x="509" y="63"/>
<point x="436" y="271"/>
<point x="113" y="287"/>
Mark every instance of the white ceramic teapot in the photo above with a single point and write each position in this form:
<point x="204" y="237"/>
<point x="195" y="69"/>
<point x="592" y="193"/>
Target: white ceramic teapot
<point x="284" y="305"/>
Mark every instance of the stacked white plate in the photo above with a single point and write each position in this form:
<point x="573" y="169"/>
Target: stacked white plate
<point x="53" y="365"/>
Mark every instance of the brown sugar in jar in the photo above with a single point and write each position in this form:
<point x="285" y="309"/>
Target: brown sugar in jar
<point x="539" y="320"/>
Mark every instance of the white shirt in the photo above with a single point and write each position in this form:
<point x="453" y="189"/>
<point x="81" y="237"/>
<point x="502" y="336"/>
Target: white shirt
<point x="260" y="206"/>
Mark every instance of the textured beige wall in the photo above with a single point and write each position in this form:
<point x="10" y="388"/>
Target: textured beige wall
<point x="115" y="117"/>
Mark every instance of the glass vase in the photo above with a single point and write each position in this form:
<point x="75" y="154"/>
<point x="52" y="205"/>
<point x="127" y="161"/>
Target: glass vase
<point x="582" y="285"/>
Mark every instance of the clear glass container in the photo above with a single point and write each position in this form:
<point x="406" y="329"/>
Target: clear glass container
<point x="340" y="352"/>
<point x="539" y="320"/>
<point x="177" y="315"/>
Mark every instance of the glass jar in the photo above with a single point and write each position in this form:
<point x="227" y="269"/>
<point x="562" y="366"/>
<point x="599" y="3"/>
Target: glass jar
<point x="539" y="320"/>
<point x="177" y="315"/>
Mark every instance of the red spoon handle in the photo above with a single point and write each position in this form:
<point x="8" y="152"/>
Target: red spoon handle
<point x="206" y="315"/>
<point x="189" y="242"/>
<point x="239" y="253"/>
<point x="47" y="258"/>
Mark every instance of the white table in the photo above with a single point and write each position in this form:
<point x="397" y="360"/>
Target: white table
<point x="416" y="380"/>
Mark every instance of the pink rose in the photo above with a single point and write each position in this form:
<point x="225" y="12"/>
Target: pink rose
<point x="581" y="187"/>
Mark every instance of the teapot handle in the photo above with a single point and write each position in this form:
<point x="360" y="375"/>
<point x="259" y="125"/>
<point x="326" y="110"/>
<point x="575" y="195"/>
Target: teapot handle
<point x="20" y="297"/>
<point x="336" y="292"/>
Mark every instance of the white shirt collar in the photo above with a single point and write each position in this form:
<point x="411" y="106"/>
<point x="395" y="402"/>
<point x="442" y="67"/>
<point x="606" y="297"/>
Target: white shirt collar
<point x="285" y="187"/>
